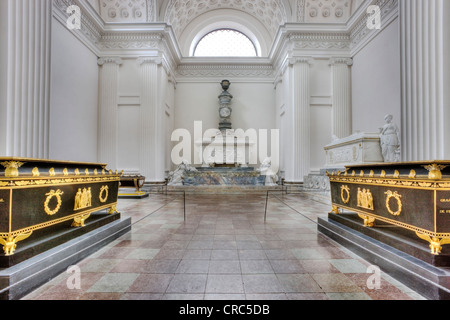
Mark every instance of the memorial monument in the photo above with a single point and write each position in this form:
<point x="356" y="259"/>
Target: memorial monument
<point x="225" y="155"/>
<point x="360" y="148"/>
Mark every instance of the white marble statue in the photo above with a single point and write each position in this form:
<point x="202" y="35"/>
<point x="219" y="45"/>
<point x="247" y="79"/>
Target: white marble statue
<point x="265" y="169"/>
<point x="175" y="178"/>
<point x="390" y="140"/>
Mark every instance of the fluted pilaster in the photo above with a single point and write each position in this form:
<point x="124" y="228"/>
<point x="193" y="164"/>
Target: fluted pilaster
<point x="107" y="110"/>
<point x="28" y="78"/>
<point x="300" y="84"/>
<point x="151" y="158"/>
<point x="342" y="96"/>
<point x="424" y="46"/>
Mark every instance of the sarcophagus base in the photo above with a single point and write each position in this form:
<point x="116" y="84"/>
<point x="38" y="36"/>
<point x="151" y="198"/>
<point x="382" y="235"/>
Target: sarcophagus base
<point x="45" y="239"/>
<point x="428" y="280"/>
<point x="399" y="238"/>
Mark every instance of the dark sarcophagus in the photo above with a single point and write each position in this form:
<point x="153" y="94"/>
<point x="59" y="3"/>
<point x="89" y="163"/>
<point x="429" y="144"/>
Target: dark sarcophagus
<point x="414" y="196"/>
<point x="39" y="197"/>
<point x="132" y="181"/>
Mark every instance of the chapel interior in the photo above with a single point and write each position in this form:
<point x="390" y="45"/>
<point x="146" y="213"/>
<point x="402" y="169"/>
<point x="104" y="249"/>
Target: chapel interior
<point x="316" y="97"/>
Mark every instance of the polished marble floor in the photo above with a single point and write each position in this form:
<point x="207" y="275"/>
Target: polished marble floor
<point x="223" y="250"/>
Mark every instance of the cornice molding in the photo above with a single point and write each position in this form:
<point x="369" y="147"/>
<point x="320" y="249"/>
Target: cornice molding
<point x="131" y="40"/>
<point x="225" y="70"/>
<point x="91" y="26"/>
<point x="360" y="35"/>
<point x="320" y="40"/>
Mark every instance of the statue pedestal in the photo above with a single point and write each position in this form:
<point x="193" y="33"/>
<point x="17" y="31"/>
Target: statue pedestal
<point x="359" y="148"/>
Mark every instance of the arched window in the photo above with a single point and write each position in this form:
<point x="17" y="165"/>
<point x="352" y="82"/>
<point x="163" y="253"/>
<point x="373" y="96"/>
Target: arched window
<point x="225" y="43"/>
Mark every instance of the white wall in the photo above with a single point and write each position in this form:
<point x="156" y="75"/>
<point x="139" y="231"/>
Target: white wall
<point x="321" y="113"/>
<point x="74" y="98"/>
<point x="376" y="81"/>
<point x="280" y="116"/>
<point x="128" y="117"/>
<point x="129" y="122"/>
<point x="253" y="106"/>
<point x="286" y="130"/>
<point x="169" y="122"/>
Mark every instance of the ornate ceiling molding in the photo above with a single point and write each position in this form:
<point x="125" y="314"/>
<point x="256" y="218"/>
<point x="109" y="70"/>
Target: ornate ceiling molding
<point x="132" y="11"/>
<point x="301" y="10"/>
<point x="270" y="12"/>
<point x="327" y="11"/>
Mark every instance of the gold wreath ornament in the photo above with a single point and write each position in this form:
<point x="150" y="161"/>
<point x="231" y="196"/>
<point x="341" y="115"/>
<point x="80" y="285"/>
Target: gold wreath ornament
<point x="50" y="195"/>
<point x="103" y="196"/>
<point x="345" y="198"/>
<point x="397" y="197"/>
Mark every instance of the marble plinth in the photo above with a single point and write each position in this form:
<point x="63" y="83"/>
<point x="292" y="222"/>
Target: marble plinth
<point x="24" y="277"/>
<point x="224" y="176"/>
<point x="430" y="281"/>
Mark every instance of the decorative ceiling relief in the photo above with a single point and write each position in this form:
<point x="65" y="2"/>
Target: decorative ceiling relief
<point x="327" y="11"/>
<point x="126" y="10"/>
<point x="269" y="12"/>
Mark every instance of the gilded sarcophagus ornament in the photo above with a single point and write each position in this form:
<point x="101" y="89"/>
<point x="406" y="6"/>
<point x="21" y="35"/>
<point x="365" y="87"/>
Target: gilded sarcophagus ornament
<point x="38" y="195"/>
<point x="411" y="195"/>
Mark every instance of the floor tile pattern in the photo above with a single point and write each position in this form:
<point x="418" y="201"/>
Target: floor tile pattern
<point x="223" y="250"/>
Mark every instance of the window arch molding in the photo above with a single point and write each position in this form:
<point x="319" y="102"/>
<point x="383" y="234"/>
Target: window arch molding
<point x="227" y="19"/>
